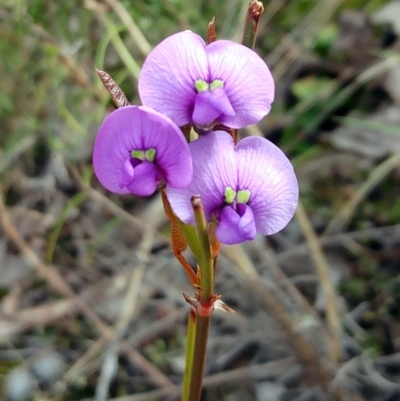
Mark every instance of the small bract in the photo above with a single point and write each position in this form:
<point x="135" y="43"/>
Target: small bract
<point x="191" y="82"/>
<point x="249" y="187"/>
<point x="136" y="148"/>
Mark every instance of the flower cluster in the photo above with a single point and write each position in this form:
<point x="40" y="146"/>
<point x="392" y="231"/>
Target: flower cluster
<point x="247" y="187"/>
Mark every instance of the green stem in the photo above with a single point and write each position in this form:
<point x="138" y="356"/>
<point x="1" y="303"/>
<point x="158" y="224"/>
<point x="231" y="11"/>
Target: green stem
<point x="204" y="309"/>
<point x="199" y="356"/>
<point x="190" y="338"/>
<point x="253" y="15"/>
<point x="205" y="262"/>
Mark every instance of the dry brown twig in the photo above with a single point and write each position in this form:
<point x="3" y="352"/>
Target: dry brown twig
<point x="99" y="198"/>
<point x="305" y="350"/>
<point x="136" y="34"/>
<point x="32" y="317"/>
<point x="327" y="286"/>
<point x="56" y="281"/>
<point x="348" y="210"/>
<point x="274" y="368"/>
<point x="109" y="366"/>
<point x="336" y="239"/>
<point x="288" y="50"/>
<point x="288" y="285"/>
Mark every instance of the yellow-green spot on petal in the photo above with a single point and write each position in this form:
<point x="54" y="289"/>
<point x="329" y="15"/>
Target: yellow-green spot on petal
<point x="201" y="85"/>
<point x="150" y="154"/>
<point x="217" y="83"/>
<point x="138" y="154"/>
<point x="230" y="195"/>
<point x="243" y="196"/>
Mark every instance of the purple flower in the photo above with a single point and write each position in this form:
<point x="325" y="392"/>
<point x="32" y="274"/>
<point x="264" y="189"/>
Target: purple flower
<point x="249" y="187"/>
<point x="136" y="148"/>
<point x="223" y="82"/>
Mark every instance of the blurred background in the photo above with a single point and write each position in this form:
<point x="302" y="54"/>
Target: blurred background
<point x="90" y="295"/>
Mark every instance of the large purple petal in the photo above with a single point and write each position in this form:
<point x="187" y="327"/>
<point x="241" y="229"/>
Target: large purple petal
<point x="214" y="169"/>
<point x="118" y="135"/>
<point x="267" y="173"/>
<point x="166" y="82"/>
<point x="172" y="151"/>
<point x="247" y="81"/>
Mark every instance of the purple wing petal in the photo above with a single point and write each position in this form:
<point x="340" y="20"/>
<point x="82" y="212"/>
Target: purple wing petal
<point x="144" y="182"/>
<point x="268" y="174"/>
<point x="248" y="81"/>
<point x="209" y="106"/>
<point x="166" y="82"/>
<point x="214" y="168"/>
<point x="118" y="135"/>
<point x="205" y="111"/>
<point x="127" y="175"/>
<point x="173" y="154"/>
<point x="234" y="228"/>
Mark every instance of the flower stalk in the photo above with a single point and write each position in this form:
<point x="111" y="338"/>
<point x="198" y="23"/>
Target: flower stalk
<point x="191" y="334"/>
<point x="205" y="262"/>
<point x="199" y="356"/>
<point x="205" y="303"/>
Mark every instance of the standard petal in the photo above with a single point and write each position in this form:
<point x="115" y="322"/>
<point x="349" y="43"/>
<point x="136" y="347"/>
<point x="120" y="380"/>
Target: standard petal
<point x="166" y="81"/>
<point x="267" y="173"/>
<point x="247" y="81"/>
<point x="172" y="151"/>
<point x="214" y="169"/>
<point x="119" y="134"/>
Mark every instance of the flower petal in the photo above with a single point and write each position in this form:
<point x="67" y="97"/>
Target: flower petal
<point x="167" y="78"/>
<point x="117" y="136"/>
<point x="247" y="81"/>
<point x="234" y="228"/>
<point x="214" y="169"/>
<point x="267" y="173"/>
<point x="204" y="112"/>
<point x="145" y="180"/>
<point x="172" y="151"/>
<point x="127" y="173"/>
<point x="210" y="105"/>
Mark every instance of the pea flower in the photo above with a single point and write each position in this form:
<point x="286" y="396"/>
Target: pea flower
<point x="136" y="148"/>
<point x="191" y="82"/>
<point x="249" y="187"/>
